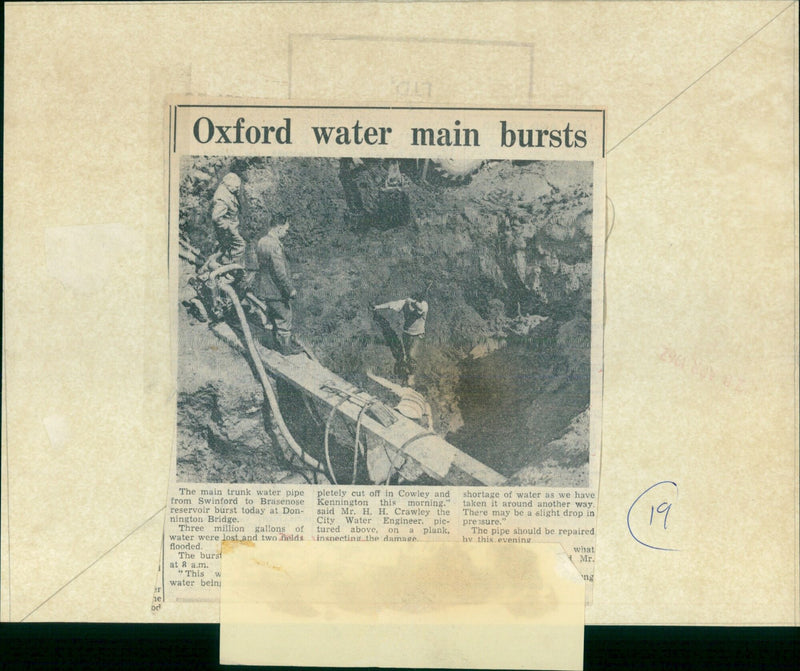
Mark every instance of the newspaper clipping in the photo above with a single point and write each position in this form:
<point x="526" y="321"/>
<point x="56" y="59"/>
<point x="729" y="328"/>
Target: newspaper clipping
<point x="387" y="327"/>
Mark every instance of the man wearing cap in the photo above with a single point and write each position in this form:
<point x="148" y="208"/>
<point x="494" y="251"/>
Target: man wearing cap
<point x="225" y="216"/>
<point x="415" y="312"/>
<point x="273" y="285"/>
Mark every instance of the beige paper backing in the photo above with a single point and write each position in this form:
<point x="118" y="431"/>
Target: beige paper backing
<point x="700" y="368"/>
<point x="417" y="605"/>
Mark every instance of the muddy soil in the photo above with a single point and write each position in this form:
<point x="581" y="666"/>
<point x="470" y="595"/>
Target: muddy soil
<point x="505" y="257"/>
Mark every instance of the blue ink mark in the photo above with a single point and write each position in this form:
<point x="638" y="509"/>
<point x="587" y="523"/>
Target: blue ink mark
<point x="663" y="508"/>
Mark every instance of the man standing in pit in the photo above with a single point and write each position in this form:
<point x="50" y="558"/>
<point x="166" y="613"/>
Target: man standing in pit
<point x="273" y="285"/>
<point x="348" y="167"/>
<point x="415" y="312"/>
<point x="225" y="216"/>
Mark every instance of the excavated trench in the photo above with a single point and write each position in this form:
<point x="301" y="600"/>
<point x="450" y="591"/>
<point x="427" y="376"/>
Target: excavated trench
<point x="506" y="259"/>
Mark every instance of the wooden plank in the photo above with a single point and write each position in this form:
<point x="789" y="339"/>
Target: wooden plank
<point x="434" y="455"/>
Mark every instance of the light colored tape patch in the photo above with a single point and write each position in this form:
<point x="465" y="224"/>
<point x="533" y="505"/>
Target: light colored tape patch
<point x="83" y="258"/>
<point x="58" y="430"/>
<point x="410" y="605"/>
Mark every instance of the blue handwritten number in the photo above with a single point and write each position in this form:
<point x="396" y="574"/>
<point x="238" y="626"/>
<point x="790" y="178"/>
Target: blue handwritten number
<point x="662" y="508"/>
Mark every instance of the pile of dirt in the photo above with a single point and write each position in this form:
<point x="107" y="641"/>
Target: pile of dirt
<point x="505" y="258"/>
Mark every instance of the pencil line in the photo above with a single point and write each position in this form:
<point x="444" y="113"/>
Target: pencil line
<point x="78" y="575"/>
<point x="713" y="67"/>
<point x="336" y="37"/>
<point x="169" y="202"/>
<point x="604" y="134"/>
<point x="796" y="333"/>
<point x="613" y="218"/>
<point x="163" y="581"/>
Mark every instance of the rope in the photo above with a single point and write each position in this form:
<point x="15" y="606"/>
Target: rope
<point x="423" y="434"/>
<point x="402" y="448"/>
<point x="268" y="391"/>
<point x="306" y="349"/>
<point x="392" y="467"/>
<point x="311" y="410"/>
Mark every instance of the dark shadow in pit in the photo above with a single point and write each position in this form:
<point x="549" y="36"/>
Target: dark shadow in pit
<point x="518" y="399"/>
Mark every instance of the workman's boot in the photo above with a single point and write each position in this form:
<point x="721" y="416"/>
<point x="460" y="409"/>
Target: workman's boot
<point x="287" y="346"/>
<point x="269" y="340"/>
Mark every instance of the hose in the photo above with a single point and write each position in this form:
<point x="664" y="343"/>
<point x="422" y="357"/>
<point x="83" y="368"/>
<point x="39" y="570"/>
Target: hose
<point x="268" y="391"/>
<point x="357" y="445"/>
<point x="188" y="246"/>
<point x="327" y="434"/>
<point x="209" y="263"/>
<point x="227" y="268"/>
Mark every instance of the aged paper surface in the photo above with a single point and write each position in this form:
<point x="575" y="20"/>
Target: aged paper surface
<point x="700" y="366"/>
<point x="417" y="605"/>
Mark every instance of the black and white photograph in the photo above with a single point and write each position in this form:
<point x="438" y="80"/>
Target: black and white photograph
<point x="362" y="320"/>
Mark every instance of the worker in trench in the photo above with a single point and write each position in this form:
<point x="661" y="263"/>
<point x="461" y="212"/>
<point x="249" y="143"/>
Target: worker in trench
<point x="415" y="313"/>
<point x="225" y="217"/>
<point x="514" y="224"/>
<point x="394" y="206"/>
<point x="271" y="283"/>
<point x="231" y="244"/>
<point x="348" y="169"/>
